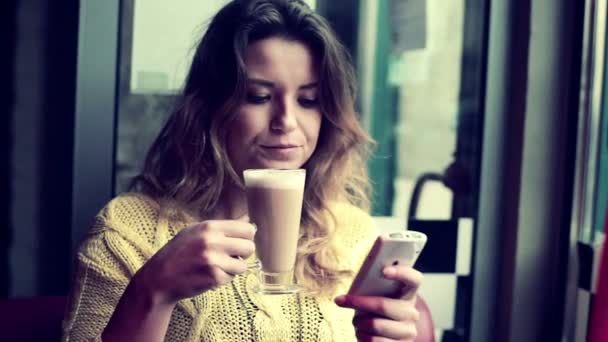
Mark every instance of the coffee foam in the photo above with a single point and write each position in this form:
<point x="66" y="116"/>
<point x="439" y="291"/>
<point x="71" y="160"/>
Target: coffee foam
<point x="270" y="178"/>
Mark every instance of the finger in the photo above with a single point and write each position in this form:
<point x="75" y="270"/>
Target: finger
<point x="236" y="247"/>
<point x="409" y="277"/>
<point x="362" y="336"/>
<point x="216" y="276"/>
<point x="385" y="327"/>
<point x="233" y="266"/>
<point x="404" y="274"/>
<point x="232" y="228"/>
<point x="244" y="218"/>
<point x="395" y="309"/>
<point x="229" y="265"/>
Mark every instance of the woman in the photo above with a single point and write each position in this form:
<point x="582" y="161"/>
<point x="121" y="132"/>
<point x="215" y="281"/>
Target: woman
<point x="269" y="87"/>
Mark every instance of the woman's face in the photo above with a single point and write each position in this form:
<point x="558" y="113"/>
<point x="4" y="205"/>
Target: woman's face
<point x="277" y="125"/>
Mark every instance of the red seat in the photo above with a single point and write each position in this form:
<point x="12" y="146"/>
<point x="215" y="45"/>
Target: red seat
<point x="31" y="319"/>
<point x="39" y="319"/>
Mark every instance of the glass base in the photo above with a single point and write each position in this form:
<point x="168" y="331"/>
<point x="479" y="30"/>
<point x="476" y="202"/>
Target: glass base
<point x="274" y="283"/>
<point x="253" y="264"/>
<point x="276" y="290"/>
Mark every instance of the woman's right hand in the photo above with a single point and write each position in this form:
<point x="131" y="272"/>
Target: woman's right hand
<point x="199" y="258"/>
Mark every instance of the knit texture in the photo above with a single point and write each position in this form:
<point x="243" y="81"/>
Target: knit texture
<point x="131" y="228"/>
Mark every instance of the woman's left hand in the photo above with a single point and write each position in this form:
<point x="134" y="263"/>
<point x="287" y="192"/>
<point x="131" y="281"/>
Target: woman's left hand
<point x="383" y="318"/>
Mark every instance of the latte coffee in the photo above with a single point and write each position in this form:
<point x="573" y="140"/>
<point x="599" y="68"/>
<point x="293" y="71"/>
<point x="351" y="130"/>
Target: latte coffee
<point x="274" y="199"/>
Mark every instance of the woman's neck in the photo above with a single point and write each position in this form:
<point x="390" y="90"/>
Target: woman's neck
<point x="232" y="204"/>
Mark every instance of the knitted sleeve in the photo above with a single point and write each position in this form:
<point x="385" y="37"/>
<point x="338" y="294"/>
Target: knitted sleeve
<point x="99" y="281"/>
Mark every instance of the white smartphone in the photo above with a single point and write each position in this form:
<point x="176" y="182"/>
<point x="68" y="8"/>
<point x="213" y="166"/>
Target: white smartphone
<point x="397" y="248"/>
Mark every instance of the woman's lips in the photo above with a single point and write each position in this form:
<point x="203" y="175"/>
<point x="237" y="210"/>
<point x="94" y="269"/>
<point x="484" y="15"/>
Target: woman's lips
<point x="279" y="146"/>
<point x="280" y="152"/>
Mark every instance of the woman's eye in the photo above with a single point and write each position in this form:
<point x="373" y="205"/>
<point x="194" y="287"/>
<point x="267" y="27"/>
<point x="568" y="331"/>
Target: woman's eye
<point x="257" y="99"/>
<point x="308" y="103"/>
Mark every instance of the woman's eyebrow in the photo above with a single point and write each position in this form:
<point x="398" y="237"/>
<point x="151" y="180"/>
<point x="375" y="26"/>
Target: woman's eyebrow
<point x="262" y="82"/>
<point x="311" y="85"/>
<point x="270" y="84"/>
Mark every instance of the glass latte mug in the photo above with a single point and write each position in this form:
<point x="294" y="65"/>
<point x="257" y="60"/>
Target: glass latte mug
<point x="274" y="198"/>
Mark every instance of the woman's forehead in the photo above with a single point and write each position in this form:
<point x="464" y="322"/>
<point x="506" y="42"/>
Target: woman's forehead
<point x="279" y="55"/>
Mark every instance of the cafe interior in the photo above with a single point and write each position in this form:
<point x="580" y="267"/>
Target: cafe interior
<point x="491" y="125"/>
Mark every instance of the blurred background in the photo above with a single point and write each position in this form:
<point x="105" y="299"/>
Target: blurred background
<point x="490" y="117"/>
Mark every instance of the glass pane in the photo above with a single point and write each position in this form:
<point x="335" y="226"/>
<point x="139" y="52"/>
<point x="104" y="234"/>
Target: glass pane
<point x="601" y="202"/>
<point x="601" y="199"/>
<point x="427" y="108"/>
<point x="590" y="188"/>
<point x="421" y="99"/>
<point x="156" y="47"/>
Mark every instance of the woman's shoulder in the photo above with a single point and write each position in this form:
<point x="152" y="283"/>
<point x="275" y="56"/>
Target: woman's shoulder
<point x="130" y="211"/>
<point x="354" y="234"/>
<point x="346" y="213"/>
<point x="127" y="217"/>
<point x="352" y="222"/>
<point x="132" y="205"/>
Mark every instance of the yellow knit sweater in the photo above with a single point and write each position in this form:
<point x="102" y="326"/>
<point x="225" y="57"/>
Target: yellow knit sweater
<point x="131" y="228"/>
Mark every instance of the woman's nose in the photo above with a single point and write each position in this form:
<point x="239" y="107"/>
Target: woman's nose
<point x="284" y="118"/>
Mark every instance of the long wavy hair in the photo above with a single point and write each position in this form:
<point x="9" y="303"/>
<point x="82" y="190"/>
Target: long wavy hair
<point x="188" y="163"/>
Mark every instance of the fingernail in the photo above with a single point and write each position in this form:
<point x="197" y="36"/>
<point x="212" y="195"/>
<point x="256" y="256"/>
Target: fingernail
<point x="340" y="300"/>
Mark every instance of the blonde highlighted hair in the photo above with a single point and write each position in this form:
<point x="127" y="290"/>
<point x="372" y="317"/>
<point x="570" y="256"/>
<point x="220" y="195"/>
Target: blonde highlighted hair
<point x="188" y="163"/>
